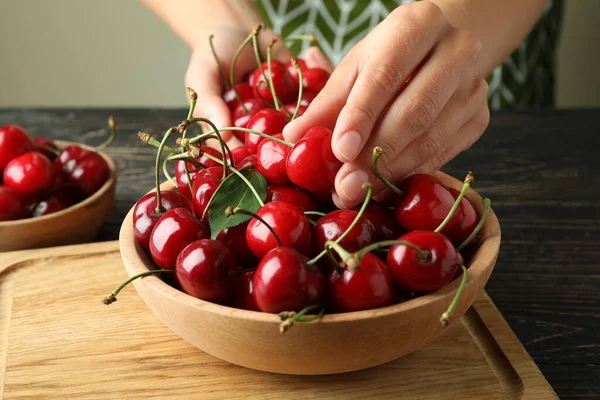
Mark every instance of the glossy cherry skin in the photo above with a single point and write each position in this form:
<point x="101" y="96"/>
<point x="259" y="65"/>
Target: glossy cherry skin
<point x="424" y="276"/>
<point x="291" y="109"/>
<point x="145" y="215"/>
<point x="369" y="286"/>
<point x="241" y="118"/>
<point x="244" y="91"/>
<point x="267" y="121"/>
<point x="466" y="219"/>
<point x="29" y="175"/>
<point x="11" y="207"/>
<point x="416" y="179"/>
<point x="283" y="83"/>
<point x="203" y="268"/>
<point x="294" y="72"/>
<point x="286" y="219"/>
<point x="182" y="179"/>
<point x="271" y="157"/>
<point x="14" y="141"/>
<point x="239" y="154"/>
<point x="314" y="79"/>
<point x="234" y="238"/>
<point x="284" y="282"/>
<point x="384" y="221"/>
<point x="40" y="145"/>
<point x="204" y="186"/>
<point x="172" y="233"/>
<point x="86" y="169"/>
<point x="247" y="162"/>
<point x="332" y="225"/>
<point x="243" y="287"/>
<point x="311" y="164"/>
<point x="291" y="194"/>
<point x="47" y="206"/>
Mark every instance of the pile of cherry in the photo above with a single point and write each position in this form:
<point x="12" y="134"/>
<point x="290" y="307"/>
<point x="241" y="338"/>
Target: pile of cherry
<point x="255" y="228"/>
<point x="36" y="178"/>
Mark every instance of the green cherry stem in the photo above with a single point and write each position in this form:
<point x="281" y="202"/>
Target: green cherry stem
<point x="377" y="153"/>
<point x="369" y="187"/>
<point x="275" y="99"/>
<point x="468" y="182"/>
<point x="113" y="132"/>
<point x="234" y="61"/>
<point x="423" y="254"/>
<point x="317" y="213"/>
<point x="334" y="263"/>
<point x="224" y="148"/>
<point x="229" y="211"/>
<point x="159" y="207"/>
<point x="146" y="138"/>
<point x="166" y="172"/>
<point x="300" y="87"/>
<point x="445" y="318"/>
<point x="50" y="149"/>
<point x="289" y="318"/>
<point x="112" y="297"/>
<point x="193" y="96"/>
<point x="347" y="258"/>
<point x="235" y="128"/>
<point x="257" y="50"/>
<point x="487" y="203"/>
<point x="219" y="66"/>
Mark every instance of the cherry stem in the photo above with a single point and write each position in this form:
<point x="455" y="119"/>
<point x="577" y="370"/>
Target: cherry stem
<point x="235" y="128"/>
<point x="318" y="213"/>
<point x="257" y="50"/>
<point x="113" y="132"/>
<point x="369" y="187"/>
<point x="260" y="85"/>
<point x="275" y="99"/>
<point x="229" y="211"/>
<point x="166" y="172"/>
<point x="146" y="138"/>
<point x="445" y="318"/>
<point x="300" y="87"/>
<point x="219" y="66"/>
<point x="112" y="297"/>
<point x="347" y="258"/>
<point x="224" y="148"/>
<point x="159" y="207"/>
<point x="193" y="96"/>
<point x="487" y="203"/>
<point x="334" y="263"/>
<point x="466" y="185"/>
<point x="377" y="153"/>
<point x="234" y="61"/>
<point x="423" y="254"/>
<point x="289" y="318"/>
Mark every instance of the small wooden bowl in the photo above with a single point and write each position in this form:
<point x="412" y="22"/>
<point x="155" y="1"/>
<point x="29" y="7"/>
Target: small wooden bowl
<point x="335" y="344"/>
<point x="77" y="224"/>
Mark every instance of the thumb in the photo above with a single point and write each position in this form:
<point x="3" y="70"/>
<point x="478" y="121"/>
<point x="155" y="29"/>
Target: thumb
<point x="315" y="58"/>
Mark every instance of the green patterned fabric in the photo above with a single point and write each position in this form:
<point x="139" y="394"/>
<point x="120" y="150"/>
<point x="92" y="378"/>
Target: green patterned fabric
<point x="524" y="80"/>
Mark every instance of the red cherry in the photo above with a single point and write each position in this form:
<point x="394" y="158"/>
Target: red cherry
<point x="49" y="205"/>
<point x="11" y="207"/>
<point x="172" y="233"/>
<point x="207" y="161"/>
<point x="284" y="282"/>
<point x="291" y="109"/>
<point x="293" y="71"/>
<point x="14" y="141"/>
<point x="283" y="83"/>
<point x="369" y="286"/>
<point x="239" y="154"/>
<point x="240" y="117"/>
<point x="248" y="161"/>
<point x="204" y="186"/>
<point x="384" y="221"/>
<point x="29" y="175"/>
<point x="291" y="194"/>
<point x="270" y="160"/>
<point x="267" y="121"/>
<point x="86" y="169"/>
<point x="416" y="179"/>
<point x="287" y="220"/>
<point x="39" y="145"/>
<point x="307" y="98"/>
<point x="466" y="219"/>
<point x="332" y="225"/>
<point x="234" y="238"/>
<point x="145" y="215"/>
<point x="424" y="275"/>
<point x="182" y="179"/>
<point x="244" y="91"/>
<point x="311" y="163"/>
<point x="243" y="296"/>
<point x="202" y="269"/>
<point x="314" y="79"/>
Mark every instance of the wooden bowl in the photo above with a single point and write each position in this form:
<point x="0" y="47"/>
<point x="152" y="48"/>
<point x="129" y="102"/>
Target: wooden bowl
<point x="77" y="224"/>
<point x="335" y="344"/>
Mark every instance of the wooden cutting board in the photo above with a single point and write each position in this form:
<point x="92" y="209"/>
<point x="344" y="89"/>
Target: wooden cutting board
<point x="57" y="340"/>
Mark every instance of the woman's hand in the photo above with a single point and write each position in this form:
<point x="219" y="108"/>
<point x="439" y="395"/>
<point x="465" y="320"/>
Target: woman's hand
<point x="409" y="87"/>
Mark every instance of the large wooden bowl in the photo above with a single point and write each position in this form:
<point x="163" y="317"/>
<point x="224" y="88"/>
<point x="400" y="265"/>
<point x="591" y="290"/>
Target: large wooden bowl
<point x="337" y="343"/>
<point x="77" y="224"/>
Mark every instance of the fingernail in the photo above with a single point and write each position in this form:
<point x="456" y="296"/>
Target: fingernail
<point x="351" y="186"/>
<point x="349" y="145"/>
<point x="287" y="130"/>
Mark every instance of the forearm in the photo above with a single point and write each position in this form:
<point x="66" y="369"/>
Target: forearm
<point x="191" y="19"/>
<point x="500" y="25"/>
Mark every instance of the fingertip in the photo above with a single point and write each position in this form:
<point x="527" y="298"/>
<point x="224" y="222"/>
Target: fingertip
<point x="292" y="131"/>
<point x="349" y="185"/>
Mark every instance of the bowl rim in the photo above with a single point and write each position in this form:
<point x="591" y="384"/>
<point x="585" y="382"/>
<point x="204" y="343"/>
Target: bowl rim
<point x="61" y="144"/>
<point x="134" y="258"/>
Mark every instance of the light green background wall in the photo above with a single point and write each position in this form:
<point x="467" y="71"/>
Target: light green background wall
<point x="116" y="53"/>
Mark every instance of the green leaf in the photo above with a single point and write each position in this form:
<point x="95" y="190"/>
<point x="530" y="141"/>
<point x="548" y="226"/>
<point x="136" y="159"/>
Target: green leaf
<point x="235" y="192"/>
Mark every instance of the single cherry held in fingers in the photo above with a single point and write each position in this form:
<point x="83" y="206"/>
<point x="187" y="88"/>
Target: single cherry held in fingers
<point x="46" y="146"/>
<point x="29" y="175"/>
<point x="172" y="233"/>
<point x="426" y="270"/>
<point x="267" y="121"/>
<point x="204" y="186"/>
<point x="311" y="164"/>
<point x="14" y="141"/>
<point x="11" y="207"/>
<point x="203" y="270"/>
<point x="291" y="194"/>
<point x="284" y="281"/>
<point x="271" y="157"/>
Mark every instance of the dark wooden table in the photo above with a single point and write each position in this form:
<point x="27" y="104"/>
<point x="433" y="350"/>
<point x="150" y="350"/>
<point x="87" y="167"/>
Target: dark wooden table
<point x="540" y="168"/>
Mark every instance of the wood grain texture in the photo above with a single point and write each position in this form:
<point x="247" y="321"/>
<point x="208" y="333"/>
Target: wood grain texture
<point x="58" y="340"/>
<point x="539" y="167"/>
